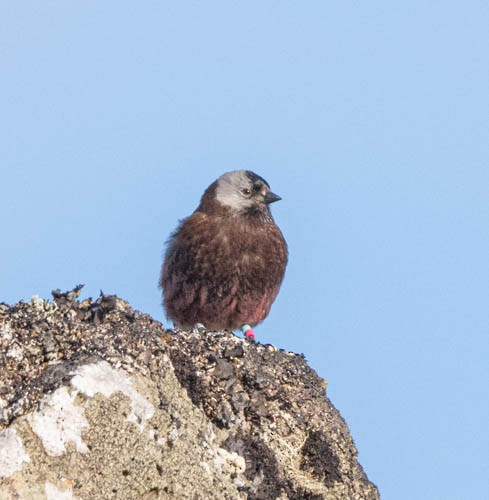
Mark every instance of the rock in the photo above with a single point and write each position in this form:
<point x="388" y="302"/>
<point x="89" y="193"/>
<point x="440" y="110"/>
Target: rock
<point x="98" y="401"/>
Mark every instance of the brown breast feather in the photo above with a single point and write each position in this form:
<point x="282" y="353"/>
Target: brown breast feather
<point x="223" y="270"/>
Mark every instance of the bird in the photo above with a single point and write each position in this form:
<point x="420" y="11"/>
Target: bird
<point x="224" y="264"/>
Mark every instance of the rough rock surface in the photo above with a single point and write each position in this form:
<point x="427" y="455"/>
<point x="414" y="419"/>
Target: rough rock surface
<point x="98" y="401"/>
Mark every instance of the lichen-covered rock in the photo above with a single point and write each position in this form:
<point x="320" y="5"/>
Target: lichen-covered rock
<point x="98" y="401"/>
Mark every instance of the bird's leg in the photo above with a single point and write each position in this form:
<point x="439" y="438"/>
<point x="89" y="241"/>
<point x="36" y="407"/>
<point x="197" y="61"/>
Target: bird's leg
<point x="197" y="327"/>
<point x="248" y="333"/>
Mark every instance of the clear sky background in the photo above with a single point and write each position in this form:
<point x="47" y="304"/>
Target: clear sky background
<point x="370" y="119"/>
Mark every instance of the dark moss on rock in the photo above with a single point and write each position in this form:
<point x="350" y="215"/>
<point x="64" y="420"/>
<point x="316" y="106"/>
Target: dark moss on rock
<point x="319" y="458"/>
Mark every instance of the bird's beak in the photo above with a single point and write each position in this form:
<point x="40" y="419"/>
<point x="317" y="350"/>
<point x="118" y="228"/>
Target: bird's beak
<point x="271" y="197"/>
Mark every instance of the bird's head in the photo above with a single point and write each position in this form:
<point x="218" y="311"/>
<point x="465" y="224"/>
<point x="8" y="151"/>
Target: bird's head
<point x="244" y="192"/>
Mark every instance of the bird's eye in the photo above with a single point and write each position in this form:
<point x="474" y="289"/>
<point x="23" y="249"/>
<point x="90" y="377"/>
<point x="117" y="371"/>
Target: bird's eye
<point x="246" y="191"/>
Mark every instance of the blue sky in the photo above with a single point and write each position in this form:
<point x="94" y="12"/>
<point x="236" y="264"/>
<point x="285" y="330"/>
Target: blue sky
<point x="370" y="119"/>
